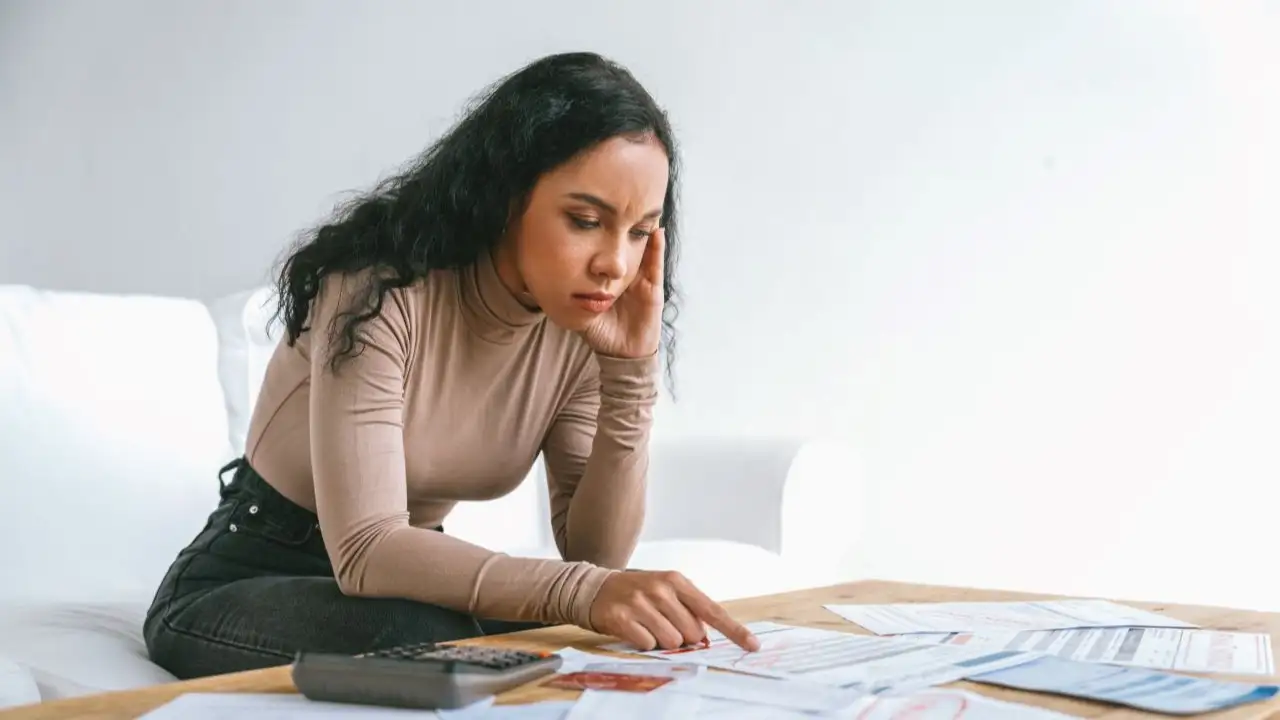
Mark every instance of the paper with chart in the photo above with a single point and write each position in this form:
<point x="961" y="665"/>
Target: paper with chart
<point x="902" y="618"/>
<point x="862" y="662"/>
<point x="1158" y="648"/>
<point x="948" y="704"/>
<point x="1144" y="689"/>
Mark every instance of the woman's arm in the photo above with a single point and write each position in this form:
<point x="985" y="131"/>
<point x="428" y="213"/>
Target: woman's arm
<point x="358" y="462"/>
<point x="597" y="457"/>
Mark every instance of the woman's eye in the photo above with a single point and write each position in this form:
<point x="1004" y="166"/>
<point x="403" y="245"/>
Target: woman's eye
<point x="584" y="223"/>
<point x="641" y="233"/>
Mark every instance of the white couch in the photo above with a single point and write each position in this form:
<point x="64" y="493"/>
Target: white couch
<point x="117" y="411"/>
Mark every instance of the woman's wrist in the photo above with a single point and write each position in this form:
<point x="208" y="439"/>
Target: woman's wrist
<point x="649" y="360"/>
<point x="629" y="379"/>
<point x="585" y="598"/>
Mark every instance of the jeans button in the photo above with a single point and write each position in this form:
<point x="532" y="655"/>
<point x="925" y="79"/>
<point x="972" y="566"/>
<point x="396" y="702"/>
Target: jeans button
<point x="253" y="509"/>
<point x="233" y="527"/>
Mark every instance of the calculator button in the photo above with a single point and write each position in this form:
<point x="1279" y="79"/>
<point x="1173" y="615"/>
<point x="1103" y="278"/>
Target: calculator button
<point x="490" y="658"/>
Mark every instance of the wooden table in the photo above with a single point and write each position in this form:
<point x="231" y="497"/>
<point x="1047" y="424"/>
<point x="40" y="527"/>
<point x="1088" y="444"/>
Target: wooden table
<point x="796" y="608"/>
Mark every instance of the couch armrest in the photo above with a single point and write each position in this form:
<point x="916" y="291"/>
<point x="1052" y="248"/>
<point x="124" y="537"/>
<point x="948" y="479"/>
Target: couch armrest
<point x="801" y="498"/>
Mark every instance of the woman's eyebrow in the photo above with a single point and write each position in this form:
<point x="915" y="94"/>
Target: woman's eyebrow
<point x="605" y="206"/>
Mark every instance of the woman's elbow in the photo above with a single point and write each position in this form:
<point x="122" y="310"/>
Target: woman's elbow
<point x="351" y="580"/>
<point x="353" y="568"/>
<point x="614" y="553"/>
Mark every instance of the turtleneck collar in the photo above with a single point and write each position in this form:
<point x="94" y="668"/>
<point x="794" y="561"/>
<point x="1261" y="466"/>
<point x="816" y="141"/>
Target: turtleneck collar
<point x="493" y="311"/>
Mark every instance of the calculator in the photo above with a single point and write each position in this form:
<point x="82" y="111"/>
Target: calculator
<point x="434" y="676"/>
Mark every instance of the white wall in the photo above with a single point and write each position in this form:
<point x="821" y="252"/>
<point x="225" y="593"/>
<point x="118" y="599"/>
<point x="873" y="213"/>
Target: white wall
<point x="1024" y="255"/>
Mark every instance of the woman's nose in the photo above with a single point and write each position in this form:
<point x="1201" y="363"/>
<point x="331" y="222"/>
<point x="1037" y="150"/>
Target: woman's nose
<point x="611" y="261"/>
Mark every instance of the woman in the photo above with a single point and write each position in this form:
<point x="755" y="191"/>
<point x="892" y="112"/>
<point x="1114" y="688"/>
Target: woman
<point x="503" y="297"/>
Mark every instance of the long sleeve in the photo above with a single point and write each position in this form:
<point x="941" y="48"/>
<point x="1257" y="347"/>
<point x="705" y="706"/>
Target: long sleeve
<point x="597" y="458"/>
<point x="358" y="464"/>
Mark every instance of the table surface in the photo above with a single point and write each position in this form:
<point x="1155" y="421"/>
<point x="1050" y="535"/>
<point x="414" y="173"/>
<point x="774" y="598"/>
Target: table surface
<point x="802" y="607"/>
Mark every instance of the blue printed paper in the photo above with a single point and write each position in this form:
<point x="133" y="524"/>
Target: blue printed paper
<point x="1135" y="687"/>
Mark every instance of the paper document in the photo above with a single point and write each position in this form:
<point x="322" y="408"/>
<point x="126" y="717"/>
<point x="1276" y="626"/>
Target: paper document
<point x="900" y="618"/>
<point x="1152" y="690"/>
<point x="798" y="696"/>
<point x="1158" y="648"/>
<point x="598" y="704"/>
<point x="948" y="705"/>
<point x="717" y="709"/>
<point x="860" y="662"/>
<point x="288" y="706"/>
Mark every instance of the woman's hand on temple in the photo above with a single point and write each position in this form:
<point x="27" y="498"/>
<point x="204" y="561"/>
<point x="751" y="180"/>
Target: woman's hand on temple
<point x="662" y="610"/>
<point x="632" y="328"/>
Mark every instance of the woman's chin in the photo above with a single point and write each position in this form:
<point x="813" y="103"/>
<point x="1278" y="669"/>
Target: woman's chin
<point x="572" y="319"/>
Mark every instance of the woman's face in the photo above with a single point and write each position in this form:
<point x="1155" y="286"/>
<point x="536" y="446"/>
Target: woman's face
<point x="578" y="245"/>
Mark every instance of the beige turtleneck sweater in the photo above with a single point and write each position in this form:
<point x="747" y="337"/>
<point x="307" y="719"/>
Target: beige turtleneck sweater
<point x="457" y="390"/>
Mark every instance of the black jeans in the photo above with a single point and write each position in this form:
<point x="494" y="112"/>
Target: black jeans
<point x="255" y="587"/>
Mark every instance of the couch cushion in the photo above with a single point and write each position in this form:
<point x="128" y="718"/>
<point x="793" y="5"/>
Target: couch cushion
<point x="246" y="341"/>
<point x="112" y="428"/>
<point x="17" y="687"/>
<point x="73" y="649"/>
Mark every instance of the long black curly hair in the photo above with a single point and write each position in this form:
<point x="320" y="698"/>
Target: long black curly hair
<point x="453" y="201"/>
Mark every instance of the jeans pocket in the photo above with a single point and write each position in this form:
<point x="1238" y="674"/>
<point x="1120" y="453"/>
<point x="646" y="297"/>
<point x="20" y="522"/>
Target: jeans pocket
<point x="252" y="518"/>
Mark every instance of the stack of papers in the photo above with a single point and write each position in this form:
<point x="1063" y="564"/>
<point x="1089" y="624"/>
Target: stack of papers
<point x="1093" y="649"/>
<point x="1096" y="631"/>
<point x="1201" y="651"/>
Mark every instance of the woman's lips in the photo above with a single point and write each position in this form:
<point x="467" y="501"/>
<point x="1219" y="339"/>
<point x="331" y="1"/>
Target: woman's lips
<point x="594" y="302"/>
